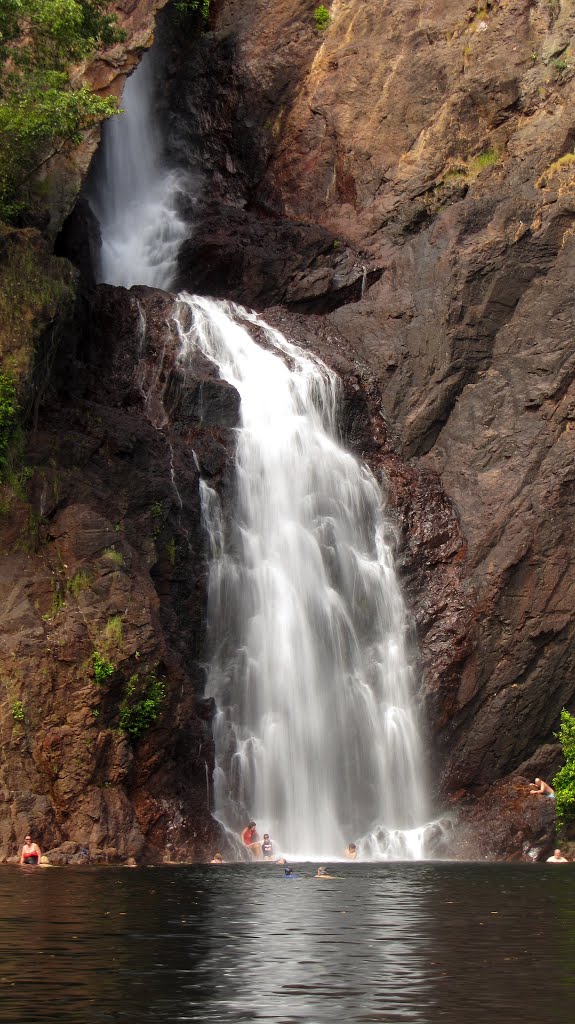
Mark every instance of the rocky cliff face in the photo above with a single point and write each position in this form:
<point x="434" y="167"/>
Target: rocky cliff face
<point x="105" y="565"/>
<point x="427" y="152"/>
<point x="408" y="177"/>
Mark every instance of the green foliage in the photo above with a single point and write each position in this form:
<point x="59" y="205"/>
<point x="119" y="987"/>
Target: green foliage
<point x="143" y="697"/>
<point x="40" y="108"/>
<point x="113" y="556"/>
<point x="114" y="630"/>
<point x="193" y="7"/>
<point x="18" y="711"/>
<point x="485" y="159"/>
<point x="102" y="668"/>
<point x="564" y="781"/>
<point x="560" y="65"/>
<point x="322" y="18"/>
<point x="8" y="414"/>
<point x="80" y="581"/>
<point x="159" y="515"/>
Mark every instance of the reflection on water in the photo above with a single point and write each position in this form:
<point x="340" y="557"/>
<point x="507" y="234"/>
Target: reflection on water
<point x="419" y="943"/>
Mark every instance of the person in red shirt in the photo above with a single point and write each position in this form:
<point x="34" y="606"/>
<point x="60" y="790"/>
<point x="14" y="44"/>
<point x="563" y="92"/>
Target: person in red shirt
<point x="251" y="840"/>
<point x="30" y="852"/>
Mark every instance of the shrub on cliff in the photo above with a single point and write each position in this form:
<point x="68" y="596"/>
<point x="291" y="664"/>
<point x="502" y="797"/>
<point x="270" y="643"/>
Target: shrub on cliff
<point x="143" y="697"/>
<point x="41" y="108"/>
<point x="564" y="781"/>
<point x="322" y="18"/>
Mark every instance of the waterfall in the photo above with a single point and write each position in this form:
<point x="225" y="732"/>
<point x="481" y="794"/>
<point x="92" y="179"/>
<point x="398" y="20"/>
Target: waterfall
<point x="135" y="198"/>
<point x="316" y="733"/>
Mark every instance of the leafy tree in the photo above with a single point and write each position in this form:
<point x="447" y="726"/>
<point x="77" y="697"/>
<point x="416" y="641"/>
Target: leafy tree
<point x="40" y="107"/>
<point x="564" y="781"/>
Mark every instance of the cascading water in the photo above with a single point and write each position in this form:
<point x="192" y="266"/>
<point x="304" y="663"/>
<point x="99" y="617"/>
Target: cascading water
<point x="316" y="734"/>
<point x="133" y="196"/>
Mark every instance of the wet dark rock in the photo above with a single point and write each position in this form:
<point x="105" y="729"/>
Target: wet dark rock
<point x="505" y="823"/>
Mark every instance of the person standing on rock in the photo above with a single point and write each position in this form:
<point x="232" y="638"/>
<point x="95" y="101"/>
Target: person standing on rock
<point x="31" y="852"/>
<point x="557" y="858"/>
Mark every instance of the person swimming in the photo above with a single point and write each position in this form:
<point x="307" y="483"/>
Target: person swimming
<point x="351" y="852"/>
<point x="288" y="873"/>
<point x="217" y="859"/>
<point x="322" y="873"/>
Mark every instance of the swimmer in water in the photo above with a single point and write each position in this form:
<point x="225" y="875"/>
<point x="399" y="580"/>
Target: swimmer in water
<point x="322" y="873"/>
<point x="288" y="873"/>
<point x="351" y="852"/>
<point x="31" y="852"/>
<point x="217" y="859"/>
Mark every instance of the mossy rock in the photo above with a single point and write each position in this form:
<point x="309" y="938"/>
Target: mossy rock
<point x="36" y="289"/>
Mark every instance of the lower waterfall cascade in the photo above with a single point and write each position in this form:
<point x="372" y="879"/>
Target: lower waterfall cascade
<point x="316" y="730"/>
<point x="316" y="733"/>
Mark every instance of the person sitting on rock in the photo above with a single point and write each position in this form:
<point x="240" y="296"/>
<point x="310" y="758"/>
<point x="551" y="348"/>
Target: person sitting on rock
<point x="541" y="788"/>
<point x="557" y="858"/>
<point x="251" y="841"/>
<point x="30" y="852"/>
<point x="217" y="859"/>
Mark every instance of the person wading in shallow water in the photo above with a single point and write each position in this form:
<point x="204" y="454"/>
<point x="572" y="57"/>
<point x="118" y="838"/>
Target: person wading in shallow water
<point x="557" y="858"/>
<point x="30" y="852"/>
<point x="351" y="852"/>
<point x="251" y="841"/>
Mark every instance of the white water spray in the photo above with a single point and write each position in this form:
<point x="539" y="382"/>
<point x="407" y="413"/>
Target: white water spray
<point x="316" y="734"/>
<point x="134" y="197"/>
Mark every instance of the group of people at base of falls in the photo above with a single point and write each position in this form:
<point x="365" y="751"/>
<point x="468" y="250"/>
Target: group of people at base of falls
<point x="264" y="850"/>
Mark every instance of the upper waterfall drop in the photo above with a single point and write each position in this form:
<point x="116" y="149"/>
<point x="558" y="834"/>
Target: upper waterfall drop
<point x="316" y="732"/>
<point x="134" y="196"/>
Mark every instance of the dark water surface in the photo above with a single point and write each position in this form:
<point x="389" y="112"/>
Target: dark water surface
<point x="398" y="942"/>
